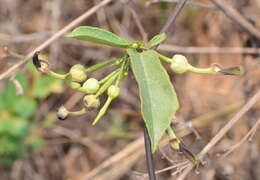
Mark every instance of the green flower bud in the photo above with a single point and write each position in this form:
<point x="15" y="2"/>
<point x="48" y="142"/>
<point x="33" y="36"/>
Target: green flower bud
<point x="91" y="86"/>
<point x="179" y="64"/>
<point x="135" y="45"/>
<point x="91" y="101"/>
<point x="77" y="73"/>
<point x="113" y="91"/>
<point x="117" y="62"/>
<point x="62" y="113"/>
<point x="75" y="85"/>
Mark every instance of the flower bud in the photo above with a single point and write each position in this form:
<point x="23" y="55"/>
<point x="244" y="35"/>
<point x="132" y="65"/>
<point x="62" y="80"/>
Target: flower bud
<point x="179" y="64"/>
<point x="91" y="86"/>
<point x="77" y="73"/>
<point x="62" y="113"/>
<point x="135" y="45"/>
<point x="113" y="91"/>
<point x="91" y="101"/>
<point x="75" y="85"/>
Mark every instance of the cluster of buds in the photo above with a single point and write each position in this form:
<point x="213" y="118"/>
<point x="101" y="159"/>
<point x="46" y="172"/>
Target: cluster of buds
<point x="93" y="88"/>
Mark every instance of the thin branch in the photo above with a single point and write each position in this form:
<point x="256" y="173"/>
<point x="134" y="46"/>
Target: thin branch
<point x="235" y="16"/>
<point x="208" y="50"/>
<point x="22" y="38"/>
<point x="46" y="43"/>
<point x="173" y="15"/>
<point x="230" y="124"/>
<point x="149" y="155"/>
<point x="222" y="132"/>
<point x="178" y="165"/>
<point x="246" y="137"/>
<point x="189" y="2"/>
<point x="139" y="25"/>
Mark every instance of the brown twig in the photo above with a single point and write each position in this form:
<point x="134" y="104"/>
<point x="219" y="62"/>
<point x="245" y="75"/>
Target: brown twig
<point x="173" y="15"/>
<point x="139" y="25"/>
<point x="56" y="14"/>
<point x="235" y="16"/>
<point x="222" y="132"/>
<point x="246" y="137"/>
<point x="193" y="3"/>
<point x="208" y="50"/>
<point x="178" y="165"/>
<point x="46" y="43"/>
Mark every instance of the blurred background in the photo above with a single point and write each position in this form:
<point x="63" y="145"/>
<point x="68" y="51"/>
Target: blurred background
<point x="34" y="145"/>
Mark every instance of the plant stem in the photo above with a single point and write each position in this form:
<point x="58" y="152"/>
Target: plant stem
<point x="149" y="155"/>
<point x="107" y="83"/>
<point x="171" y="133"/>
<point x="56" y="75"/>
<point x="102" y="110"/>
<point x="202" y="70"/>
<point x="77" y="113"/>
<point x="108" y="76"/>
<point x="164" y="58"/>
<point x="121" y="73"/>
<point x="101" y="65"/>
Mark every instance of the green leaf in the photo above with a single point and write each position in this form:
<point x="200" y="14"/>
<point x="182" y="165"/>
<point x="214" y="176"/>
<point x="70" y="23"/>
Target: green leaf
<point x="25" y="107"/>
<point x="8" y="96"/>
<point x="156" y="40"/>
<point x="158" y="98"/>
<point x="99" y="36"/>
<point x="15" y="127"/>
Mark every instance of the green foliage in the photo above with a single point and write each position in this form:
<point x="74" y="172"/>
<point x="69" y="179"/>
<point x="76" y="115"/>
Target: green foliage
<point x="156" y="40"/>
<point x="158" y="98"/>
<point x="46" y="85"/>
<point x="19" y="111"/>
<point x="98" y="35"/>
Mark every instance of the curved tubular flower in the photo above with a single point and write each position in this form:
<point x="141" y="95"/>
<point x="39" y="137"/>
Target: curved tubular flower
<point x="178" y="145"/>
<point x="106" y="84"/>
<point x="43" y="66"/>
<point x="180" y="65"/>
<point x="63" y="113"/>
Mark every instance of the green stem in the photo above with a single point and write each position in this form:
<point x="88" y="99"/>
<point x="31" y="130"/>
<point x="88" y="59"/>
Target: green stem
<point x="164" y="58"/>
<point x="202" y="70"/>
<point x="108" y="76"/>
<point x="101" y="65"/>
<point x="121" y="73"/>
<point x="81" y="89"/>
<point x="171" y="133"/>
<point x="56" y="75"/>
<point x="102" y="110"/>
<point x="109" y="81"/>
<point x="77" y="113"/>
